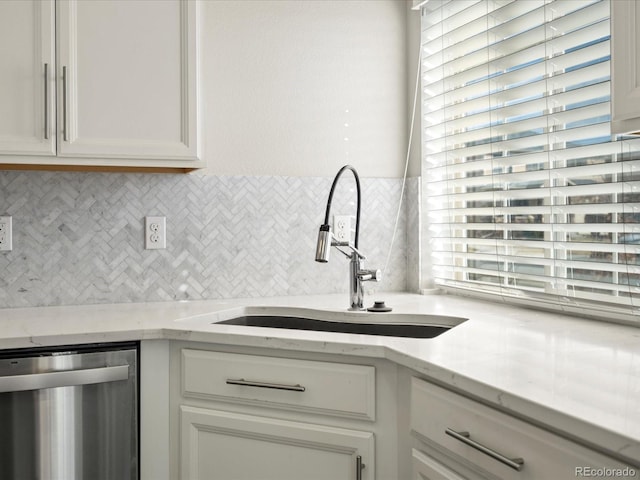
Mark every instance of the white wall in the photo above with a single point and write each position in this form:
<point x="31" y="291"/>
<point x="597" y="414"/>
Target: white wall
<point x="413" y="50"/>
<point x="282" y="78"/>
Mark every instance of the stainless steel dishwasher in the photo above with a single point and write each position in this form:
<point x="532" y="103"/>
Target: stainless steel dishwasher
<point x="69" y="413"/>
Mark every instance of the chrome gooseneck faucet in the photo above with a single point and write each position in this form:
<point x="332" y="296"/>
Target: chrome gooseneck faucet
<point x="326" y="240"/>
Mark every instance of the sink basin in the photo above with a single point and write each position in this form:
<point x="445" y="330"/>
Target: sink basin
<point x="390" y="329"/>
<point x="408" y="325"/>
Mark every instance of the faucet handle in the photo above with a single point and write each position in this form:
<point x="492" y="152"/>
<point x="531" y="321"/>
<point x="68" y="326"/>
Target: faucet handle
<point x="336" y="243"/>
<point x="370" y="275"/>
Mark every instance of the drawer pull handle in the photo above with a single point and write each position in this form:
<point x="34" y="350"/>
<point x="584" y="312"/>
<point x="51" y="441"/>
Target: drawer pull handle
<point x="65" y="126"/>
<point x="276" y="386"/>
<point x="465" y="437"/>
<point x="359" y="467"/>
<point x="46" y="101"/>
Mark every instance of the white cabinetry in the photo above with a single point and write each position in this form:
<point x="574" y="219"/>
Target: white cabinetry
<point x="426" y="467"/>
<point x="458" y="438"/>
<point x="625" y="69"/>
<point x="154" y="410"/>
<point x="248" y="417"/>
<point x="230" y="446"/>
<point x="121" y="90"/>
<point x="27" y="63"/>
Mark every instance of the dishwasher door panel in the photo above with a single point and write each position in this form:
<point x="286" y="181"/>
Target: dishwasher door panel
<point x="85" y="431"/>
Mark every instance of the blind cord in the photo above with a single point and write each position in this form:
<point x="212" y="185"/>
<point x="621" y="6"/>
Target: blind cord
<point x="406" y="163"/>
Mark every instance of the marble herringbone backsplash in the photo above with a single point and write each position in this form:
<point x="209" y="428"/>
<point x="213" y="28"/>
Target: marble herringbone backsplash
<point x="78" y="237"/>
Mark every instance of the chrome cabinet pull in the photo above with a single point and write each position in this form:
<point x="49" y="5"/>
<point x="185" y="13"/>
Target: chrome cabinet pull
<point x="63" y="378"/>
<point x="65" y="135"/>
<point x="46" y="101"/>
<point x="465" y="437"/>
<point x="276" y="386"/>
<point x="359" y="467"/>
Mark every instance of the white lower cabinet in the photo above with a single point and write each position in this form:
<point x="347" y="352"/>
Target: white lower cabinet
<point x="230" y="446"/>
<point x="255" y="417"/>
<point x="238" y="413"/>
<point x="458" y="438"/>
<point x="285" y="383"/>
<point x="426" y="467"/>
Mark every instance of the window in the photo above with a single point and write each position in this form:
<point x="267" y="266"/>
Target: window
<point x="526" y="194"/>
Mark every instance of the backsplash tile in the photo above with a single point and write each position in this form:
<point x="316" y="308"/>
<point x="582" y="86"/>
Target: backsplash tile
<point x="78" y="237"/>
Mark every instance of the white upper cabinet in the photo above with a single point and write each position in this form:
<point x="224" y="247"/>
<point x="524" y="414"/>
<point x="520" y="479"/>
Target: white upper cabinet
<point x="124" y="83"/>
<point x="625" y="70"/>
<point x="128" y="72"/>
<point x="27" y="78"/>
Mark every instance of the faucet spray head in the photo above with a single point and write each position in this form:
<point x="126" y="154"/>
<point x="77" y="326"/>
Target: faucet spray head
<point x="324" y="244"/>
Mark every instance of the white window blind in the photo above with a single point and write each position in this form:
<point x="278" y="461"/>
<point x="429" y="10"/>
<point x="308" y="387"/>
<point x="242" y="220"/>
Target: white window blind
<point x="525" y="193"/>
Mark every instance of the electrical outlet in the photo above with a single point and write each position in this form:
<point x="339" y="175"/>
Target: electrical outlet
<point x="342" y="227"/>
<point x="155" y="233"/>
<point x="6" y="232"/>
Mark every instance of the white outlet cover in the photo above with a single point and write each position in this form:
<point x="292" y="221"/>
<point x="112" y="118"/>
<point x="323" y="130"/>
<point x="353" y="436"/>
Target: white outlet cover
<point x="155" y="233"/>
<point x="342" y="227"/>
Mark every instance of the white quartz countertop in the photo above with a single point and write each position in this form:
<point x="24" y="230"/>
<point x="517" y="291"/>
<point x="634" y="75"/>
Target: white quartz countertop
<point x="577" y="377"/>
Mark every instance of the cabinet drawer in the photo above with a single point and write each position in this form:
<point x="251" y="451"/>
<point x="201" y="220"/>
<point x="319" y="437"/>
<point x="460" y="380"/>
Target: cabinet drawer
<point x="427" y="468"/>
<point x="318" y="387"/>
<point x="493" y="443"/>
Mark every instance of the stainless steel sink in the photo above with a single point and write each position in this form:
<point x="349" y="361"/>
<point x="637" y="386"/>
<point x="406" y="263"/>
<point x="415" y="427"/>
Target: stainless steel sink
<point x="407" y="325"/>
<point x="390" y="329"/>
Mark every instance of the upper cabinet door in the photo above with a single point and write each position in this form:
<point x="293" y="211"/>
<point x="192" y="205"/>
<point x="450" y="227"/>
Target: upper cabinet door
<point x="27" y="77"/>
<point x="127" y="79"/>
<point x="625" y="70"/>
